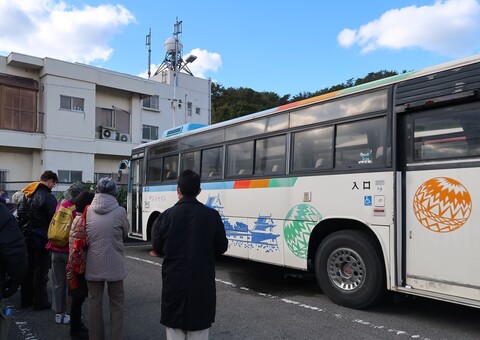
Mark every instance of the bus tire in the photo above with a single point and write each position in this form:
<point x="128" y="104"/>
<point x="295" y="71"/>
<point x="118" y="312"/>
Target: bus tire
<point x="349" y="269"/>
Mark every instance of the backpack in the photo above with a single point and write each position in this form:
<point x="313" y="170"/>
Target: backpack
<point x="59" y="229"/>
<point x="23" y="211"/>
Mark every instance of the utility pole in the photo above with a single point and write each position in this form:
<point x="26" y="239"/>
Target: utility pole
<point x="177" y="30"/>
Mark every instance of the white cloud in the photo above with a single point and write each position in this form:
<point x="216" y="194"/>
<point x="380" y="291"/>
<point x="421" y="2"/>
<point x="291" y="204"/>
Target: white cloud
<point x="206" y="62"/>
<point x="449" y="27"/>
<point x="54" y="29"/>
<point x="153" y="69"/>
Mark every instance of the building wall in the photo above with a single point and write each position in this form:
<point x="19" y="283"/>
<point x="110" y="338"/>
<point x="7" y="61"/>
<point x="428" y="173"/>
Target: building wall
<point x="18" y="165"/>
<point x="70" y="140"/>
<point x="61" y="123"/>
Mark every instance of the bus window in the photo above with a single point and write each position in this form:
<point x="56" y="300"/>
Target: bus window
<point x="345" y="107"/>
<point x="190" y="160"/>
<point x="212" y="160"/>
<point x="312" y="149"/>
<point x="203" y="138"/>
<point x="240" y="159"/>
<point x="170" y="168"/>
<point x="451" y="135"/>
<point x="272" y="123"/>
<point x="270" y="155"/>
<point x="154" y="170"/>
<point x="358" y="142"/>
<point x="168" y="146"/>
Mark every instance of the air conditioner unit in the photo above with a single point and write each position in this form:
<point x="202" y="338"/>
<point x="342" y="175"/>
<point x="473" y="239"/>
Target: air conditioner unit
<point x="124" y="137"/>
<point x="108" y="133"/>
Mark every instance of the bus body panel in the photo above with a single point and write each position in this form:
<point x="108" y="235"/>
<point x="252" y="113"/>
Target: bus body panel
<point x="442" y="222"/>
<point x="274" y="223"/>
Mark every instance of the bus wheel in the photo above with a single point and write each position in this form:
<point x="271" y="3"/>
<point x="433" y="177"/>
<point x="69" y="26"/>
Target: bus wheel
<point x="350" y="270"/>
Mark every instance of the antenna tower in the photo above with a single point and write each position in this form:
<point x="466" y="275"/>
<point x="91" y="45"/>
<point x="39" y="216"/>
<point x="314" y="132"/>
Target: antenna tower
<point x="148" y="43"/>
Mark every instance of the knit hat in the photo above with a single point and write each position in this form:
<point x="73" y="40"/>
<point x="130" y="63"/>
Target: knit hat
<point x="107" y="185"/>
<point x="73" y="191"/>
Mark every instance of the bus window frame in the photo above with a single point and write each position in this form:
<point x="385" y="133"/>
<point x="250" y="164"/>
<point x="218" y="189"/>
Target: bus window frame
<point x="450" y="161"/>
<point x="212" y="175"/>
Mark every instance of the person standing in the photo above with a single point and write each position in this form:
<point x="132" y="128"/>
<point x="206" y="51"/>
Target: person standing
<point x="60" y="303"/>
<point x="13" y="261"/>
<point x="34" y="215"/>
<point x="106" y="227"/>
<point x="188" y="236"/>
<point x="80" y="292"/>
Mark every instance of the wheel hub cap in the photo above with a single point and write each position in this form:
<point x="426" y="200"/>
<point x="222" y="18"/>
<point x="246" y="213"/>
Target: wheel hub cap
<point x="346" y="269"/>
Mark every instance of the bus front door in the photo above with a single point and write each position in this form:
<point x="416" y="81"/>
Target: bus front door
<point x="135" y="199"/>
<point x="441" y="222"/>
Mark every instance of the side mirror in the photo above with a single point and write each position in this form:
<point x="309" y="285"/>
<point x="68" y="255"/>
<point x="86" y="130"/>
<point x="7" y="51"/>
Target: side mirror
<point x="123" y="164"/>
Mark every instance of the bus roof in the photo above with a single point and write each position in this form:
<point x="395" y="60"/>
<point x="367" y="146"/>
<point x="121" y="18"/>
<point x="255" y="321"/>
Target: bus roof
<point x="181" y="129"/>
<point x="323" y="97"/>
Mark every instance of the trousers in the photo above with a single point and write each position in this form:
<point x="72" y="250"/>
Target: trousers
<point x="34" y="284"/>
<point x="60" y="300"/>
<point x="178" y="334"/>
<point x="116" y="298"/>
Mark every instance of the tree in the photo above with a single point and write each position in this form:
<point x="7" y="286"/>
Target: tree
<point x="229" y="103"/>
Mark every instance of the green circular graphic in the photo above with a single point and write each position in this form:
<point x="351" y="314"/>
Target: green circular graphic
<point x="299" y="222"/>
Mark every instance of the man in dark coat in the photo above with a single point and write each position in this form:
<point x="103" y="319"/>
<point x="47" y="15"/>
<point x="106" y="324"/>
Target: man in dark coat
<point x="34" y="214"/>
<point x="188" y="236"/>
<point x="13" y="260"/>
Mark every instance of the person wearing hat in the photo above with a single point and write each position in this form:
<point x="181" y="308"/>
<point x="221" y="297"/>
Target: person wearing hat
<point x="106" y="227"/>
<point x="60" y="300"/>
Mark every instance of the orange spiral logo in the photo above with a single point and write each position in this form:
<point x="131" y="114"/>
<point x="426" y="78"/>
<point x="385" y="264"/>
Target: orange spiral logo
<point x="442" y="204"/>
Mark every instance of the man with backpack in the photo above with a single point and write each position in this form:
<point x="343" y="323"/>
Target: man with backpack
<point x="34" y="214"/>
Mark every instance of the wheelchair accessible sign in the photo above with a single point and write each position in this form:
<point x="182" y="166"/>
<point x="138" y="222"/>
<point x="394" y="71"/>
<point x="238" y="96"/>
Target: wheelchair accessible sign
<point x="367" y="201"/>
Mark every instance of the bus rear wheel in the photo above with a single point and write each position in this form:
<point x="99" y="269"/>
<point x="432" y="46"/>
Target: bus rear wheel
<point x="349" y="269"/>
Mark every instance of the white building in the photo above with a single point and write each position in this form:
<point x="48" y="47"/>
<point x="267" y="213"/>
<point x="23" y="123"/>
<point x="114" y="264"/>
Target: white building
<point x="80" y="121"/>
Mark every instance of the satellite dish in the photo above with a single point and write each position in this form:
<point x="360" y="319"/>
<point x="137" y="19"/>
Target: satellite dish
<point x="170" y="45"/>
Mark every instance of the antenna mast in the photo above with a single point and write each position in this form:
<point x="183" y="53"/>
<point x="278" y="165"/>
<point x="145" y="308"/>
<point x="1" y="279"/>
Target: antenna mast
<point x="148" y="43"/>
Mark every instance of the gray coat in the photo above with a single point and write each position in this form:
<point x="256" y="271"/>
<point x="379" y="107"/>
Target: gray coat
<point x="107" y="226"/>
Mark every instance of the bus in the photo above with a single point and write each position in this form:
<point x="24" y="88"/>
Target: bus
<point x="372" y="187"/>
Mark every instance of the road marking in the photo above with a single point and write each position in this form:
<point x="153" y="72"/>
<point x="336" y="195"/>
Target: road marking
<point x="23" y="327"/>
<point x="302" y="305"/>
<point x="317" y="309"/>
<point x="143" y="260"/>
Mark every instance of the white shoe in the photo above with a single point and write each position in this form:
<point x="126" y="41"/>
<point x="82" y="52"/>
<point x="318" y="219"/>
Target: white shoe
<point x="59" y="318"/>
<point x="66" y="319"/>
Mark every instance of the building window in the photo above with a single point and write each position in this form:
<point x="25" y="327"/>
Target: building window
<point x="69" y="176"/>
<point x="72" y="103"/>
<point x="116" y="119"/>
<point x="98" y="175"/>
<point x="197" y="110"/>
<point x="150" y="132"/>
<point x="151" y="102"/>
<point x="18" y="109"/>
<point x="189" y="108"/>
<point x="3" y="178"/>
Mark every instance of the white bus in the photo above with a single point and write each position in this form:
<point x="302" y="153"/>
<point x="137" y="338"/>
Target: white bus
<point x="374" y="187"/>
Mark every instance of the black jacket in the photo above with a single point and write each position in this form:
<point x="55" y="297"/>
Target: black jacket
<point x="188" y="236"/>
<point x="13" y="252"/>
<point x="40" y="210"/>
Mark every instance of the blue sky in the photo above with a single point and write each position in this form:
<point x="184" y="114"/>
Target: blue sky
<point x="285" y="47"/>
